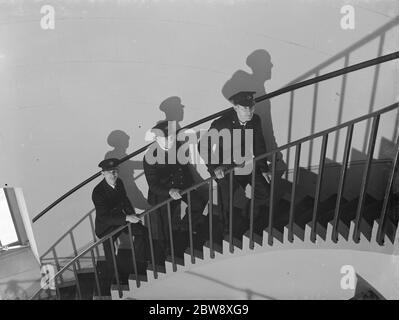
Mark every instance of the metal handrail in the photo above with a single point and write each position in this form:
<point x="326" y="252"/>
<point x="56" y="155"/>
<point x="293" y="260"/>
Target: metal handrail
<point x="66" y="233"/>
<point x="209" y="180"/>
<point x="327" y="131"/>
<point x="278" y="92"/>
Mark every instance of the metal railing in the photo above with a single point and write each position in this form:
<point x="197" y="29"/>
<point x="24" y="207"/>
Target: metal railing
<point x="349" y="126"/>
<point x="289" y="88"/>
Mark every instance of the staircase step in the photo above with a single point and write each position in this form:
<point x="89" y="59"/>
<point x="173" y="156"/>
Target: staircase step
<point x="141" y="277"/>
<point x="393" y="218"/>
<point x="67" y="290"/>
<point x="256" y="237"/>
<point x="198" y="253"/>
<point x="218" y="247"/>
<point x="160" y="268"/>
<point x="102" y="298"/>
<point x="370" y="214"/>
<point x="236" y="242"/>
<point x="115" y="291"/>
<point x="178" y="259"/>
<point x="87" y="285"/>
<point x="303" y="215"/>
<point x="348" y="214"/>
<point x="281" y="218"/>
<point x="325" y="215"/>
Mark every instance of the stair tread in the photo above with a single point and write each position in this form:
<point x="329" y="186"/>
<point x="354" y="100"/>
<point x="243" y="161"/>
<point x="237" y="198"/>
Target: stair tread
<point x="159" y="267"/>
<point x="348" y="211"/>
<point x="303" y="212"/>
<point x="327" y="210"/>
<point x="141" y="277"/>
<point x="197" y="252"/>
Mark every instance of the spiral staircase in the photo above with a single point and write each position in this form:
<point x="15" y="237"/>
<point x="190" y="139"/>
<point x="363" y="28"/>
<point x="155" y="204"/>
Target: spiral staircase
<point x="309" y="207"/>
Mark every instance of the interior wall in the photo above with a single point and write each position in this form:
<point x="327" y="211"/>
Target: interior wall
<point x="95" y="84"/>
<point x="281" y="275"/>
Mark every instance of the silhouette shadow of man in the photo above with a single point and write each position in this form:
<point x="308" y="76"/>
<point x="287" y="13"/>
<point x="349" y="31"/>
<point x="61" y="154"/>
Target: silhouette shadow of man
<point x="119" y="141"/>
<point x="259" y="61"/>
<point x="174" y="111"/>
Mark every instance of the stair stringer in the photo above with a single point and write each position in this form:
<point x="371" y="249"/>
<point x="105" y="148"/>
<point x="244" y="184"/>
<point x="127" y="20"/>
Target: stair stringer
<point x="132" y="292"/>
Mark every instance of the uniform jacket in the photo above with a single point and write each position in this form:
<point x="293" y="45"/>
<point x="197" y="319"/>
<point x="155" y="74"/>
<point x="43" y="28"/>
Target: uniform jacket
<point x="163" y="177"/>
<point x="112" y="206"/>
<point x="230" y="121"/>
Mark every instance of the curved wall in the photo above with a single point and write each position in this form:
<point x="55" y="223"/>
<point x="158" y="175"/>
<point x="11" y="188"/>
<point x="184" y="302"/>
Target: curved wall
<point x="93" y="86"/>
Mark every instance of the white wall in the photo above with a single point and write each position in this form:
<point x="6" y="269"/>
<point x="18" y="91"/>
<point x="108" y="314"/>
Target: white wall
<point x="108" y="65"/>
<point x="280" y="275"/>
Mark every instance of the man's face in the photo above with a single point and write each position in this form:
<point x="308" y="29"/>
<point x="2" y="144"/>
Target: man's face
<point x="166" y="143"/>
<point x="111" y="175"/>
<point x="244" y="114"/>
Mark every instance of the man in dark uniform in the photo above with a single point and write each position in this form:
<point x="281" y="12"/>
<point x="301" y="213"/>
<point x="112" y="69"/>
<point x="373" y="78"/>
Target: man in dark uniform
<point x="113" y="209"/>
<point x="239" y="122"/>
<point x="167" y="175"/>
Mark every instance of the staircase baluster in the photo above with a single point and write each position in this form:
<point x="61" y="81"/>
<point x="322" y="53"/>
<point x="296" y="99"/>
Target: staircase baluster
<point x="366" y="175"/>
<point x="231" y="177"/>
<point x="251" y="213"/>
<point x="318" y="188"/>
<point x="77" y="281"/>
<point x="93" y="261"/>
<point x="148" y="216"/>
<point x="57" y="290"/>
<point x="272" y="191"/>
<point x="172" y="249"/>
<point x="190" y="227"/>
<point x="210" y="213"/>
<point x="133" y="255"/>
<point x="57" y="264"/>
<point x="293" y="193"/>
<point x="289" y="136"/>
<point x="75" y="250"/>
<point x="313" y="121"/>
<point x="93" y="232"/>
<point x="348" y="143"/>
<point x="115" y="267"/>
<point x="381" y="232"/>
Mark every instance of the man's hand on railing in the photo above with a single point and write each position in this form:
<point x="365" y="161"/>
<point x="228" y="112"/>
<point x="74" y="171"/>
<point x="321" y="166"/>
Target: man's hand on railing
<point x="219" y="173"/>
<point x="175" y="194"/>
<point x="132" y="218"/>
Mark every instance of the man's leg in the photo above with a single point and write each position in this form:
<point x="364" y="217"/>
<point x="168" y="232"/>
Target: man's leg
<point x="197" y="208"/>
<point x="224" y="188"/>
<point x="261" y="202"/>
<point x="141" y="242"/>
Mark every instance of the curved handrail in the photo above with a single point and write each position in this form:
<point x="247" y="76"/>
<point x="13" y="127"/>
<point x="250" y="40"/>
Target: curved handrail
<point x="211" y="178"/>
<point x="333" y="74"/>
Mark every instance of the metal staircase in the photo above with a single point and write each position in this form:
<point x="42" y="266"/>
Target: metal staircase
<point x="299" y="212"/>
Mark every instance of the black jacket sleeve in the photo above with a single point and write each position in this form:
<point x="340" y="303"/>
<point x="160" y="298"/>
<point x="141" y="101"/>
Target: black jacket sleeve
<point x="108" y="216"/>
<point x="126" y="204"/>
<point x="205" y="143"/>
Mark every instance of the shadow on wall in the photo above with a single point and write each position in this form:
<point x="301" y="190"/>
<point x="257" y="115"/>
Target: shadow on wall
<point x="261" y="66"/>
<point x="344" y="56"/>
<point x="119" y="141"/>
<point x="173" y="109"/>
<point x="248" y="292"/>
<point x="365" y="291"/>
<point x="14" y="291"/>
